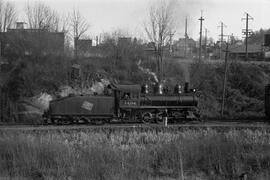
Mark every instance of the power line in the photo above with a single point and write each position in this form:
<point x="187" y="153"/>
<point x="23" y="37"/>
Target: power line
<point x="200" y="48"/>
<point x="247" y="31"/>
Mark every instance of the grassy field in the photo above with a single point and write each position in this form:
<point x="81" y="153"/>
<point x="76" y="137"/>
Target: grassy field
<point x="192" y="154"/>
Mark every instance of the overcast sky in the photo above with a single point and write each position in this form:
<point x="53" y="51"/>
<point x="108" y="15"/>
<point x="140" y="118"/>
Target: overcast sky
<point x="109" y="15"/>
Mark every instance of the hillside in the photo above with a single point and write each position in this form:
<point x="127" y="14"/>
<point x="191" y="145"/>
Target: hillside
<point x="244" y="93"/>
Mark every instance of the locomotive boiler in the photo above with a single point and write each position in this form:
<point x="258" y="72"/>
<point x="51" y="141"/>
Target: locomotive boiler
<point x="126" y="103"/>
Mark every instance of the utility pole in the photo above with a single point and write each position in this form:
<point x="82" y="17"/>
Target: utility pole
<point x="225" y="79"/>
<point x="200" y="48"/>
<point x="232" y="39"/>
<point x="246" y="32"/>
<point x="186" y="37"/>
<point x="205" y="43"/>
<point x="222" y="25"/>
<point x="76" y="39"/>
<point x="171" y="35"/>
<point x="96" y="40"/>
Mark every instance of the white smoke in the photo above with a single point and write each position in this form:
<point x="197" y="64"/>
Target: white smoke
<point x="42" y="101"/>
<point x="67" y="90"/>
<point x="97" y="88"/>
<point x="147" y="71"/>
<point x="186" y="71"/>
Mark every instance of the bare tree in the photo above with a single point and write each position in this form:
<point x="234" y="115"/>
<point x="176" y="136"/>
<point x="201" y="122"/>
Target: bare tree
<point x="41" y="16"/>
<point x="160" y="25"/>
<point x="8" y="15"/>
<point x="79" y="26"/>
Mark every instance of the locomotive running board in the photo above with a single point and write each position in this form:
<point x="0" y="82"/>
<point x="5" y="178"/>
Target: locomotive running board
<point x="164" y="107"/>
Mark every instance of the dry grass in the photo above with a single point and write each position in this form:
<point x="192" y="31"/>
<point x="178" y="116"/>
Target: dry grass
<point x="200" y="154"/>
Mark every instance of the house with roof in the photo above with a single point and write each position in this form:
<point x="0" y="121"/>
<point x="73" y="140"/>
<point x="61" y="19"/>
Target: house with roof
<point x="255" y="52"/>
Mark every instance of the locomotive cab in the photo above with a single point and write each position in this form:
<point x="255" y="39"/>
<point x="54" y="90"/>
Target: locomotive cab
<point x="128" y="96"/>
<point x="127" y="100"/>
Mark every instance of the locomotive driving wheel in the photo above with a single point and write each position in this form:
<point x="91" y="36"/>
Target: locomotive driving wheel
<point x="147" y="117"/>
<point x="159" y="117"/>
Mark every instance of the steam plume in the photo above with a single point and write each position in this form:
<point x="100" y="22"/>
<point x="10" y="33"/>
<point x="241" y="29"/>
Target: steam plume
<point x="186" y="72"/>
<point x="147" y="71"/>
<point x="97" y="87"/>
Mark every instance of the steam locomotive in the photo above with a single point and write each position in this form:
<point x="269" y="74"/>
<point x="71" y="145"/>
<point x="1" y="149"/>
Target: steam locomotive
<point x="126" y="103"/>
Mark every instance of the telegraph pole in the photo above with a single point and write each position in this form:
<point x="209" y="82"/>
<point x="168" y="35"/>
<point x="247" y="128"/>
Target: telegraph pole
<point x="200" y="48"/>
<point x="171" y="35"/>
<point x="186" y="36"/>
<point x="96" y="40"/>
<point x="246" y="32"/>
<point x="205" y="43"/>
<point x="225" y="79"/>
<point x="232" y="39"/>
<point x="222" y="25"/>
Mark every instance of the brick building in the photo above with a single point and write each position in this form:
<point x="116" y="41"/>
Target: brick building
<point x="31" y="42"/>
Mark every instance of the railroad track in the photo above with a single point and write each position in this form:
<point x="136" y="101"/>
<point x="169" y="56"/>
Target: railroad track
<point x="116" y="126"/>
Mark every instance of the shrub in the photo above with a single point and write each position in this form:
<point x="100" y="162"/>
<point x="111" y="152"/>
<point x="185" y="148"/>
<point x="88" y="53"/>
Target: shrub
<point x="144" y="154"/>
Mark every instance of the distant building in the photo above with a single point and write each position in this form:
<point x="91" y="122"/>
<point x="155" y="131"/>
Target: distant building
<point x="255" y="52"/>
<point x="31" y="42"/>
<point x="84" y="47"/>
<point x="124" y="41"/>
<point x="150" y="50"/>
<point x="20" y="25"/>
<point x="181" y="45"/>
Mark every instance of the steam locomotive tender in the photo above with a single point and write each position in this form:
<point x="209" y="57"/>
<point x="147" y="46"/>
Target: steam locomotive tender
<point x="126" y="103"/>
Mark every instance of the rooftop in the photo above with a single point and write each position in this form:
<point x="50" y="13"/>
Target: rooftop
<point x="252" y="48"/>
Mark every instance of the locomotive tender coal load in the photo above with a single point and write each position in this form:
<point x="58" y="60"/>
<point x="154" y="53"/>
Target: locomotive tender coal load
<point x="126" y="103"/>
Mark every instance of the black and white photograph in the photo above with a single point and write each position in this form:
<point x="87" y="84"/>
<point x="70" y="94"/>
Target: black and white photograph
<point x="134" y="90"/>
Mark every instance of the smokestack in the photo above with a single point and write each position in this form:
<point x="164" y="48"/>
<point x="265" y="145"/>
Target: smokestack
<point x="186" y="87"/>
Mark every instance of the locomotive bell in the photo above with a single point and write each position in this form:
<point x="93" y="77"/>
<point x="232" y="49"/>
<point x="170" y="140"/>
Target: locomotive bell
<point x="145" y="89"/>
